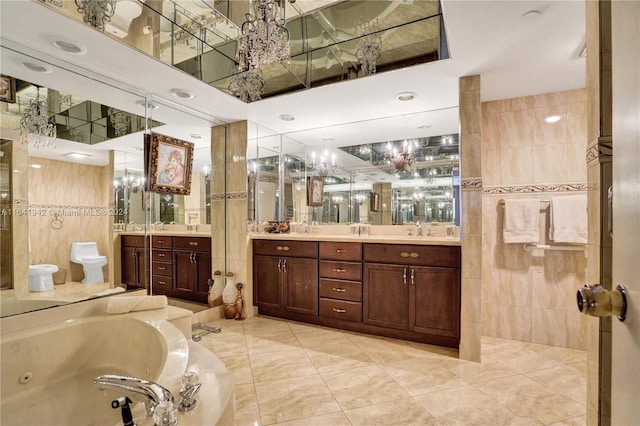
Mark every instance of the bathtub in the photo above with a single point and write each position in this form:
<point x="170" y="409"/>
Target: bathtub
<point x="47" y="372"/>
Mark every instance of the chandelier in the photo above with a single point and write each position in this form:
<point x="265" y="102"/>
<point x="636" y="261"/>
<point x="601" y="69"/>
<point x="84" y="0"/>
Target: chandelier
<point x="96" y="12"/>
<point x="323" y="166"/>
<point x="369" y="47"/>
<point x="130" y="182"/>
<point x="264" y="39"/>
<point x="120" y="121"/>
<point x="37" y="128"/>
<point x="402" y="160"/>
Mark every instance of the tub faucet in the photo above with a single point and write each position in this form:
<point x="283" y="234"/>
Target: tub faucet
<point x="150" y="393"/>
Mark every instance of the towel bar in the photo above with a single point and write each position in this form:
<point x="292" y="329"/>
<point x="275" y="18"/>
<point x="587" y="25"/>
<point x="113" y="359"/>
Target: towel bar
<point x="528" y="246"/>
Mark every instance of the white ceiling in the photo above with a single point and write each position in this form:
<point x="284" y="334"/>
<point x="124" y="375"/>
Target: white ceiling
<point x="515" y="55"/>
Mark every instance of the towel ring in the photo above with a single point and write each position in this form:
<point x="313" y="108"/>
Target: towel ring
<point x="56" y="222"/>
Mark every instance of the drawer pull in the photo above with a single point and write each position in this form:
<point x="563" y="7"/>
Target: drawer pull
<point x="279" y="248"/>
<point x="339" y="270"/>
<point x="340" y="311"/>
<point x="161" y="268"/>
<point x="161" y="282"/>
<point x="160" y="241"/>
<point x="339" y="290"/>
<point x="160" y="254"/>
<point x="414" y="255"/>
<point x="413" y="276"/>
<point x="193" y="243"/>
<point x="404" y="254"/>
<point x="340" y="250"/>
<point x="285" y="248"/>
<point x="404" y="276"/>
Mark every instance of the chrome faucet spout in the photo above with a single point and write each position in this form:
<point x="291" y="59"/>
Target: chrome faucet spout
<point x="150" y="393"/>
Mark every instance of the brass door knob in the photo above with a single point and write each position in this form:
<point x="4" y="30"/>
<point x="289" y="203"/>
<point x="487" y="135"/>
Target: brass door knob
<point x="596" y="301"/>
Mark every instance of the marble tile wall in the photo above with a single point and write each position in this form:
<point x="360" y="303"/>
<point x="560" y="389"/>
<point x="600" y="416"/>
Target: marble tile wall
<point x="20" y="224"/>
<point x="68" y="202"/>
<point x="530" y="295"/>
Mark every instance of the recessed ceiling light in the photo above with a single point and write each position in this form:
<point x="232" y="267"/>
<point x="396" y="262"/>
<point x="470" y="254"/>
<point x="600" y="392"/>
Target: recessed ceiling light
<point x="77" y="155"/>
<point x="149" y="105"/>
<point x="552" y="118"/>
<point x="139" y="148"/>
<point x="287" y="117"/>
<point x="327" y="139"/>
<point x="181" y="93"/>
<point x="424" y="126"/>
<point x="406" y="96"/>
<point x="195" y="136"/>
<point x="36" y="166"/>
<point x="36" y="67"/>
<point x="68" y="46"/>
<point x="530" y="15"/>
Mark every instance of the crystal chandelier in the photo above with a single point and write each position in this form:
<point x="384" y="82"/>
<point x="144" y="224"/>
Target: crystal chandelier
<point x="130" y="182"/>
<point x="402" y="160"/>
<point x="120" y="121"/>
<point x="96" y="12"/>
<point x="369" y="47"/>
<point x="264" y="39"/>
<point x="37" y="128"/>
<point x="324" y="167"/>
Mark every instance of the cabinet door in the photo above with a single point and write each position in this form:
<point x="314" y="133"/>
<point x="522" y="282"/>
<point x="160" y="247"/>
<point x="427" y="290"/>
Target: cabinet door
<point x="203" y="270"/>
<point x="301" y="285"/>
<point x="434" y="306"/>
<point x="129" y="266"/>
<point x="385" y="295"/>
<point x="185" y="274"/>
<point x="267" y="283"/>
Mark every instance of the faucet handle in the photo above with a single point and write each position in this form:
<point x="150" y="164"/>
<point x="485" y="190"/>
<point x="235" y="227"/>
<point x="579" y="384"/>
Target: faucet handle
<point x="165" y="414"/>
<point x="189" y="386"/>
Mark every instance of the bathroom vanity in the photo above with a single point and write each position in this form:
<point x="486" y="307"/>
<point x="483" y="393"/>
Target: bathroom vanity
<point x="179" y="265"/>
<point x="382" y="286"/>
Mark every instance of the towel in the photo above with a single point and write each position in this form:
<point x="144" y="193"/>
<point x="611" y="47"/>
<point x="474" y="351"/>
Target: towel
<point x="124" y="304"/>
<point x="569" y="219"/>
<point x="521" y="218"/>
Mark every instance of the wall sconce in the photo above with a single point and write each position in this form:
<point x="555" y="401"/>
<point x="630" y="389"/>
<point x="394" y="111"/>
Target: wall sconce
<point x="402" y="160"/>
<point x="359" y="198"/>
<point x="324" y="167"/>
<point x="132" y="183"/>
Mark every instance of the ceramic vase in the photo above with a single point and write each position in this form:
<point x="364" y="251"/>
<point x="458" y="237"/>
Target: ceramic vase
<point x="229" y="295"/>
<point x="215" y="289"/>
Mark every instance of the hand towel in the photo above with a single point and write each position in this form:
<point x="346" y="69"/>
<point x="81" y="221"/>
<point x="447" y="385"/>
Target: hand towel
<point x="124" y="304"/>
<point x="521" y="218"/>
<point x="569" y="219"/>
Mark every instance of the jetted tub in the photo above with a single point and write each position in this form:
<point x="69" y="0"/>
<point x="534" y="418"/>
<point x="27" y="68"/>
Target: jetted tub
<point x="47" y="372"/>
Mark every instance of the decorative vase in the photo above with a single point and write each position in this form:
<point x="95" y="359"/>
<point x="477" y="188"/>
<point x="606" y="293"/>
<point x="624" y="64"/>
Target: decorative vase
<point x="229" y="297"/>
<point x="239" y="302"/>
<point x="215" y="289"/>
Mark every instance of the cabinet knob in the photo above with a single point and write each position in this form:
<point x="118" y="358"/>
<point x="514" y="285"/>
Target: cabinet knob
<point x="193" y="243"/>
<point x="340" y="311"/>
<point x="279" y="248"/>
<point x="339" y="290"/>
<point x="161" y="268"/>
<point x="414" y="255"/>
<point x="162" y="282"/>
<point x="340" y="250"/>
<point x="404" y="254"/>
<point x="339" y="270"/>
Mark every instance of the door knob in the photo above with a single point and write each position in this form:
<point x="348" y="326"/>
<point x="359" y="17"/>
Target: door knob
<point x="595" y="300"/>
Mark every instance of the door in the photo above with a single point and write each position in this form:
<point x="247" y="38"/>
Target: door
<point x="625" y="368"/>
<point x="185" y="275"/>
<point x="434" y="301"/>
<point x="385" y="295"/>
<point x="267" y="282"/>
<point x="301" y="285"/>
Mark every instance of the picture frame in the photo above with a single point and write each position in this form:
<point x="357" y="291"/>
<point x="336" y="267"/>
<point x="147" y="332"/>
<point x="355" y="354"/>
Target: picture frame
<point x="315" y="190"/>
<point x="7" y="89"/>
<point x="170" y="165"/>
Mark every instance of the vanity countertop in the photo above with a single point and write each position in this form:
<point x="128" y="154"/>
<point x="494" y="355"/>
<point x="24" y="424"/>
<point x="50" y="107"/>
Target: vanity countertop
<point x="170" y="233"/>
<point x="390" y="239"/>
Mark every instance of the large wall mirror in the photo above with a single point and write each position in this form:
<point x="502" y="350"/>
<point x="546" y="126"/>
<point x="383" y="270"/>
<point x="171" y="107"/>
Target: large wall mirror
<point x="388" y="171"/>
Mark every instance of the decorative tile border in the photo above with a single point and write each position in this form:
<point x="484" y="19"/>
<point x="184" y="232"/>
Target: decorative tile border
<point x="471" y="184"/>
<point x="600" y="151"/>
<point x="229" y="196"/>
<point x="530" y="189"/>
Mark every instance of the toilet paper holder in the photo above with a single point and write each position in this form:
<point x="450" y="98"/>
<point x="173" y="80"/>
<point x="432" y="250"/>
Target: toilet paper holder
<point x="595" y="300"/>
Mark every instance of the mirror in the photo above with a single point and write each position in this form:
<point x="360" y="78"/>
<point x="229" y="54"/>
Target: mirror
<point x="408" y="174"/>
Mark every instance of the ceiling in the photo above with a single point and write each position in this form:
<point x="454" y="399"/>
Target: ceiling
<point x="516" y="54"/>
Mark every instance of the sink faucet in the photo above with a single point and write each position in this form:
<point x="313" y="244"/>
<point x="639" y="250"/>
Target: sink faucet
<point x="150" y="393"/>
<point x="419" y="228"/>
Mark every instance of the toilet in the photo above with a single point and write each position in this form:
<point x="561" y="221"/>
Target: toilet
<point x="87" y="255"/>
<point x="41" y="277"/>
<point x="125" y="12"/>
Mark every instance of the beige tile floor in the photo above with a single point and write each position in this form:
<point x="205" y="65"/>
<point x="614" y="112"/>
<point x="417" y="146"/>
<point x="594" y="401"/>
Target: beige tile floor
<point x="296" y="374"/>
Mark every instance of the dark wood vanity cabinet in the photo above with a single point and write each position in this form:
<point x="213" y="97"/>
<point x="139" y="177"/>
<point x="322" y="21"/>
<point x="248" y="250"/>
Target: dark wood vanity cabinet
<point x="192" y="268"/>
<point x="413" y="288"/>
<point x="285" y="277"/>
<point x="341" y="281"/>
<point x="132" y="257"/>
<point x="162" y="265"/>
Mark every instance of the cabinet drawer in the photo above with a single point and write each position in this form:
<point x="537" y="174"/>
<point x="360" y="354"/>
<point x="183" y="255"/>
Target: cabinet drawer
<point x="404" y="254"/>
<point x="286" y="248"/>
<point x="340" y="309"/>
<point x="341" y="270"/>
<point x="343" y="290"/>
<point x="162" y="268"/>
<point x="162" y="285"/>
<point x="340" y="251"/>
<point x="161" y="241"/>
<point x="161" y="255"/>
<point x="192" y="243"/>
<point x="132" y="240"/>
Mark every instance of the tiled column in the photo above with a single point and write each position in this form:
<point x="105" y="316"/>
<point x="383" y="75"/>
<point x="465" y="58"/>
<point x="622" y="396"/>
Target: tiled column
<point x="20" y="223"/>
<point x="599" y="178"/>
<point x="471" y="226"/>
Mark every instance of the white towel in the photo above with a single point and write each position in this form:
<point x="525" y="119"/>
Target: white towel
<point x="569" y="219"/>
<point x="124" y="304"/>
<point x="521" y="218"/>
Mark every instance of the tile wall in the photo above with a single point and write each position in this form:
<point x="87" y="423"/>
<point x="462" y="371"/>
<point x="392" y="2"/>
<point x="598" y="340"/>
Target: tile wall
<point x="530" y="295"/>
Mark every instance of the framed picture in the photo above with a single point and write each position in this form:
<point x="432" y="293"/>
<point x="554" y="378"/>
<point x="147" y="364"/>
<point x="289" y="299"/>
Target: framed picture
<point x="170" y="162"/>
<point x="315" y="188"/>
<point x="7" y="89"/>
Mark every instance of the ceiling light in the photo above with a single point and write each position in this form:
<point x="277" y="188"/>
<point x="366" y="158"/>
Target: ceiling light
<point x="36" y="67"/>
<point x="148" y="105"/>
<point x="68" y="46"/>
<point x="406" y="96"/>
<point x="76" y="155"/>
<point x="287" y="117"/>
<point x="181" y="93"/>
<point x="369" y="47"/>
<point x="37" y="128"/>
<point x="552" y="118"/>
<point x="195" y="136"/>
<point x="36" y="166"/>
